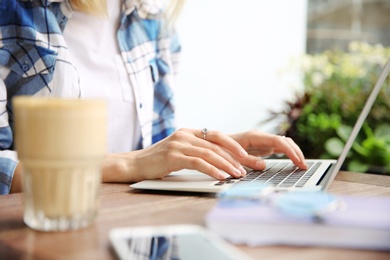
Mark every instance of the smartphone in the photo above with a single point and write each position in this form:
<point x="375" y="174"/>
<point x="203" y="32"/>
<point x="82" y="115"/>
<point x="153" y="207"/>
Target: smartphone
<point x="172" y="242"/>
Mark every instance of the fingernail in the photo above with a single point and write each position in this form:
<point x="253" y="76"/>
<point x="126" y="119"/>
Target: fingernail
<point x="304" y="163"/>
<point x="259" y="164"/>
<point x="243" y="153"/>
<point x="243" y="172"/>
<point x="222" y="176"/>
<point x="237" y="172"/>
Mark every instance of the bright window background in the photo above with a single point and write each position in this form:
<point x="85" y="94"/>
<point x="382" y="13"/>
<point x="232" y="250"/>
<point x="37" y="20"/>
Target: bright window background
<point x="234" y="55"/>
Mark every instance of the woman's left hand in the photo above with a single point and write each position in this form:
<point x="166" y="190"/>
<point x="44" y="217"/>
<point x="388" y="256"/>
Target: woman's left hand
<point x="258" y="143"/>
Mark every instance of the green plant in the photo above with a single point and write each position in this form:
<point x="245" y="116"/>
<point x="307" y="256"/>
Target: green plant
<point x="336" y="85"/>
<point x="367" y="154"/>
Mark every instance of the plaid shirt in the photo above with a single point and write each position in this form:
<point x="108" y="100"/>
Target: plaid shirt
<point x="34" y="60"/>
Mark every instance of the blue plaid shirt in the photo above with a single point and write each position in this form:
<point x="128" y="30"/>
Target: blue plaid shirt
<point x="34" y="60"/>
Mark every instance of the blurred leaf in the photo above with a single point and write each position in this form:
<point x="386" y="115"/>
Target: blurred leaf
<point x="344" y="132"/>
<point x="383" y="131"/>
<point x="334" y="146"/>
<point x="356" y="166"/>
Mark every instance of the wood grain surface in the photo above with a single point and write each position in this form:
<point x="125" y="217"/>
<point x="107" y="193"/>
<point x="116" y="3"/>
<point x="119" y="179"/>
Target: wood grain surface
<point x="122" y="206"/>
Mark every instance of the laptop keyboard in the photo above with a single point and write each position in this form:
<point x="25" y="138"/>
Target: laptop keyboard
<point x="279" y="174"/>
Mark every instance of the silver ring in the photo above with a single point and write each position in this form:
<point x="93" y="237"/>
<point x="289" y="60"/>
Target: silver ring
<point x="205" y="131"/>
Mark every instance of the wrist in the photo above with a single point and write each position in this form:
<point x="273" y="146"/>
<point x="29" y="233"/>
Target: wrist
<point x="120" y="167"/>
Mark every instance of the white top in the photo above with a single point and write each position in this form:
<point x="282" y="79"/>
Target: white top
<point x="95" y="54"/>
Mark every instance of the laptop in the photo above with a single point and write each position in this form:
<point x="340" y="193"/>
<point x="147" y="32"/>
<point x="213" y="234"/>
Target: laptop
<point x="282" y="174"/>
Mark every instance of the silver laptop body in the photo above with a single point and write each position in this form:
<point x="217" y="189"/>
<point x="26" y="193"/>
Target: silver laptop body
<point x="280" y="173"/>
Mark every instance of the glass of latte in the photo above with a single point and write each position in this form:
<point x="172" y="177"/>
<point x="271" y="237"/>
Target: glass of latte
<point x="60" y="144"/>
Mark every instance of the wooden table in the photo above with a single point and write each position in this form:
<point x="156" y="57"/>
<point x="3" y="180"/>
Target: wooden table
<point x="122" y="206"/>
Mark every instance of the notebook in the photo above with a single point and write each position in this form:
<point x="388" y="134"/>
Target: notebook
<point x="281" y="173"/>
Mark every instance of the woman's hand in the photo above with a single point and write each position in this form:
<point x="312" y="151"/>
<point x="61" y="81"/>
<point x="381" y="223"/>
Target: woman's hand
<point x="184" y="149"/>
<point x="258" y="143"/>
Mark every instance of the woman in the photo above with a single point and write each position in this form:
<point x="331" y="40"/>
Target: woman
<point x="126" y="52"/>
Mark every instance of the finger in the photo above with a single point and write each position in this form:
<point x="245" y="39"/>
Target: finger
<point x="288" y="147"/>
<point x="253" y="162"/>
<point x="199" y="164"/>
<point x="298" y="152"/>
<point x="216" y="156"/>
<point x="222" y="140"/>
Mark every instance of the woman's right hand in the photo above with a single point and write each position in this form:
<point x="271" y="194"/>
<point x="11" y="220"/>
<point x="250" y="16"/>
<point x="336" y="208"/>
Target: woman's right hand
<point x="184" y="149"/>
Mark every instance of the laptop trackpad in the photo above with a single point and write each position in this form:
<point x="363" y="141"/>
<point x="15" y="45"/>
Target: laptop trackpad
<point x="187" y="175"/>
<point x="183" y="180"/>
